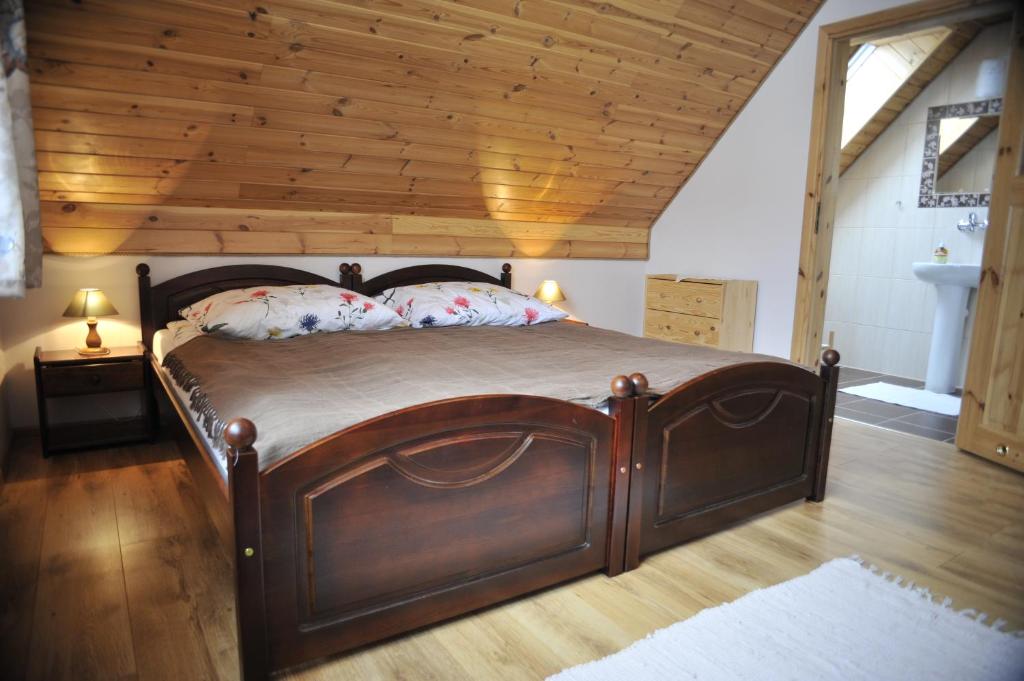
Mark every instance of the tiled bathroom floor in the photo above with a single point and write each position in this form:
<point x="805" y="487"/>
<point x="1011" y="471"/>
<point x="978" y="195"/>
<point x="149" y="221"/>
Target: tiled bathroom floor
<point x="891" y="416"/>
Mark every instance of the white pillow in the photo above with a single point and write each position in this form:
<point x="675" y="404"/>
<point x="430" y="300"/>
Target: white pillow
<point x="451" y="303"/>
<point x="273" y="312"/>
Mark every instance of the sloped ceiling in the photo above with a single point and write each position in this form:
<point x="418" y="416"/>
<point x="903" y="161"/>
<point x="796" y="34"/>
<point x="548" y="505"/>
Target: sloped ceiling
<point x="544" y="128"/>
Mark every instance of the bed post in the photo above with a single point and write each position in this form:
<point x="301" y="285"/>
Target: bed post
<point x="250" y="608"/>
<point x="638" y="455"/>
<point x="145" y="305"/>
<point x="830" y="380"/>
<point x="355" y="278"/>
<point x="622" y="408"/>
<point x="506" y="275"/>
<point x="629" y="409"/>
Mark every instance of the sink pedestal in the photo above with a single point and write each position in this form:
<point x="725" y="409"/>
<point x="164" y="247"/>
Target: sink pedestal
<point x="953" y="283"/>
<point x="947" y="338"/>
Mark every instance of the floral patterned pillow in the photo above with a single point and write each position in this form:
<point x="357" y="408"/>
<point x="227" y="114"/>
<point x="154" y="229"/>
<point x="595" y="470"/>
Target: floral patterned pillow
<point x="269" y="312"/>
<point x="466" y="304"/>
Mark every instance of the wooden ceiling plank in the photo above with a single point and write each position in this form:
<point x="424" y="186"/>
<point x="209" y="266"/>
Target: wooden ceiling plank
<point x="386" y="144"/>
<point x="185" y="242"/>
<point x="619" y="27"/>
<point x="70" y="200"/>
<point x="143" y="106"/>
<point x="157" y="62"/>
<point x="86" y="75"/>
<point x="215" y="173"/>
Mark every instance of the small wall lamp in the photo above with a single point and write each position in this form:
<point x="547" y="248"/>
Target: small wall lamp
<point x="91" y="303"/>
<point x="549" y="292"/>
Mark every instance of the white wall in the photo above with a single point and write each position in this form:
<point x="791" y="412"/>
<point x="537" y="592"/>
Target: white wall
<point x="880" y="313"/>
<point x="740" y="214"/>
<point x="605" y="293"/>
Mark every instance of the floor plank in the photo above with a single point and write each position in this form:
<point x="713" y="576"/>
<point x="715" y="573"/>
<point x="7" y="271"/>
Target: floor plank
<point x="133" y="583"/>
<point x="80" y="623"/>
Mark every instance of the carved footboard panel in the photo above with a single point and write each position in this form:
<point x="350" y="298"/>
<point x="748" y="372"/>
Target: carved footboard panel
<point x="429" y="513"/>
<point x="724" y="447"/>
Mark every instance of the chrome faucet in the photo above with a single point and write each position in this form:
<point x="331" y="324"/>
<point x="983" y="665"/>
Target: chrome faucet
<point x="972" y="223"/>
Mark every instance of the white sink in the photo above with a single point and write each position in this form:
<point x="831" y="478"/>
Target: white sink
<point x="953" y="284"/>
<point x="948" y="274"/>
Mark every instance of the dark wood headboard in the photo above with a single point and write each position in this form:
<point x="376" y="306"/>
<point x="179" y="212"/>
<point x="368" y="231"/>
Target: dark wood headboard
<point x="352" y="277"/>
<point x="159" y="304"/>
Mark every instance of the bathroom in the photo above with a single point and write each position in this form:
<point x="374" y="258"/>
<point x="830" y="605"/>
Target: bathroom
<point x="904" y="335"/>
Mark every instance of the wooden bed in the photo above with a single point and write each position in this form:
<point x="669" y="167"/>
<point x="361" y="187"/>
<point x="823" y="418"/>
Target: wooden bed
<point x="443" y="508"/>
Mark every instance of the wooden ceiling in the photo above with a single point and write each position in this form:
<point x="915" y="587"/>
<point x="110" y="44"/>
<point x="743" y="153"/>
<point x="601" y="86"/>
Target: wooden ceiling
<point x="545" y="128"/>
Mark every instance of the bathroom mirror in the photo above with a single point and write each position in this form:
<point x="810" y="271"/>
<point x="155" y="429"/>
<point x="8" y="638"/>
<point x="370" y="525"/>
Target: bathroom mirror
<point x="959" y="154"/>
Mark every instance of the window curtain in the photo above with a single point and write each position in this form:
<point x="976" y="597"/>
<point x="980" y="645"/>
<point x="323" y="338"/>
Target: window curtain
<point x="21" y="245"/>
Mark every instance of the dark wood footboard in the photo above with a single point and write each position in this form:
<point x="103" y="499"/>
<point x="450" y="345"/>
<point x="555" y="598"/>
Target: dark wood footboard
<point x="726" y="446"/>
<point x="421" y="515"/>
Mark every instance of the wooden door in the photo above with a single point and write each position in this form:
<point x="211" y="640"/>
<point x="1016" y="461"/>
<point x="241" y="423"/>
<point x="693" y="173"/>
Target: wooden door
<point x="992" y="413"/>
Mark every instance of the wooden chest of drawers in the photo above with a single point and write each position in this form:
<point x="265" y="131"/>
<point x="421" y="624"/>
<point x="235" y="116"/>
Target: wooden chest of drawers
<point x="714" y="312"/>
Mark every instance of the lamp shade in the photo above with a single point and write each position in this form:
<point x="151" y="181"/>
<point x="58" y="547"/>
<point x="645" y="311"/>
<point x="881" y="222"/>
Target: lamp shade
<point x="549" y="291"/>
<point x="89" y="302"/>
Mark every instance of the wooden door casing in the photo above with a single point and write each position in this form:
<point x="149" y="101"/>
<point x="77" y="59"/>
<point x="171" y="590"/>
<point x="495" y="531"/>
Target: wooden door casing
<point x="992" y="412"/>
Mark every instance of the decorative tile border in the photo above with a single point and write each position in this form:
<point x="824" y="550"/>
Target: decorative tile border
<point x="927" y="198"/>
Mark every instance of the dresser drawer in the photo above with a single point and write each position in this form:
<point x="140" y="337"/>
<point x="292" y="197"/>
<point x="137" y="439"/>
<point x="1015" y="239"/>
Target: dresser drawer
<point x="686" y="297"/>
<point x="681" y="328"/>
<point x="92" y="378"/>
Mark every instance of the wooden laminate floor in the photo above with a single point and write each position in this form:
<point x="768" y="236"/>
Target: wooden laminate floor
<point x="109" y="567"/>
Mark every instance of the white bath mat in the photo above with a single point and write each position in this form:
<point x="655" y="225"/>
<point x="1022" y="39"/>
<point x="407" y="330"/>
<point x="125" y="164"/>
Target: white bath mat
<point x="841" y="621"/>
<point x="908" y="397"/>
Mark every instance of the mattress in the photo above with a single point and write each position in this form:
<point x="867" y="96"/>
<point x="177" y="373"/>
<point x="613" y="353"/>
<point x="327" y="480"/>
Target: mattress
<point x="301" y="389"/>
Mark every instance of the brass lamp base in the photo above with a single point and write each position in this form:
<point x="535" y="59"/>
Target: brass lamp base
<point x="92" y="352"/>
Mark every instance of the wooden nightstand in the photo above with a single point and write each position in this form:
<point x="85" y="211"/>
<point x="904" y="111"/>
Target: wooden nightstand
<point x="65" y="373"/>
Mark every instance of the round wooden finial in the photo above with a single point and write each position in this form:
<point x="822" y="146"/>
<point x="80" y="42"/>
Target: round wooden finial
<point x="240" y="433"/>
<point x="142" y="269"/>
<point x="357" y="268"/>
<point x="622" y="386"/>
<point x="639" y="382"/>
<point x="506" y="268"/>
<point x="344" y="268"/>
<point x="830" y="357"/>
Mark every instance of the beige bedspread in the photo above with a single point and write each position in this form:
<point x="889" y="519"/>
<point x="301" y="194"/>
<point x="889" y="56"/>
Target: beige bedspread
<point x="301" y="389"/>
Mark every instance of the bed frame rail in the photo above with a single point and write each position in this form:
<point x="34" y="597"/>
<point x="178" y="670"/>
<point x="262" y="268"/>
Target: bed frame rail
<point x="414" y="517"/>
<point x="725" y="447"/>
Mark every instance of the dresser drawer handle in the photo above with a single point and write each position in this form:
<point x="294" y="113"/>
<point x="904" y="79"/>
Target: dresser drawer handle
<point x="700" y="300"/>
<point x="95" y="378"/>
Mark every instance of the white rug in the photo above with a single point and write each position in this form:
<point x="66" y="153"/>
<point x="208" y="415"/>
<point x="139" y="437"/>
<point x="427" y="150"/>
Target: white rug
<point x="841" y="621"/>
<point x="908" y="397"/>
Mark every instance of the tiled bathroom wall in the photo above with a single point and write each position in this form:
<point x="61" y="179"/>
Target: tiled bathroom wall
<point x="880" y="313"/>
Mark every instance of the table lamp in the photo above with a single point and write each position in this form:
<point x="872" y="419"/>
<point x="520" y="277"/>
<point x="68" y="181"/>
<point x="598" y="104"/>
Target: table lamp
<point x="91" y="303"/>
<point x="549" y="292"/>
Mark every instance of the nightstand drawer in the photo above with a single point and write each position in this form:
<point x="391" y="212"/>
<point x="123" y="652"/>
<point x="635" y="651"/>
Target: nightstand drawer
<point x="92" y="378"/>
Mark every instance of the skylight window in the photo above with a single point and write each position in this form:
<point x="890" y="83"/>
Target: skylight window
<point x="877" y="70"/>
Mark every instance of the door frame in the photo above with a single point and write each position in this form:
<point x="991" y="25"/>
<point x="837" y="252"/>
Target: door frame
<point x="834" y="42"/>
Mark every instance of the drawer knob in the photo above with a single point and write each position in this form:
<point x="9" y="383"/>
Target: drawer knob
<point x="700" y="300"/>
<point x="697" y="332"/>
<point x="1002" y="450"/>
<point x="95" y="378"/>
